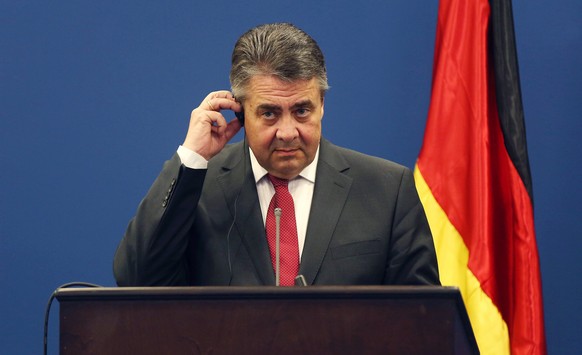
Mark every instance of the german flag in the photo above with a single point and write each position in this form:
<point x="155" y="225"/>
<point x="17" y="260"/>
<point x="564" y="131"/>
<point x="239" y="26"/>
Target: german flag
<point x="474" y="180"/>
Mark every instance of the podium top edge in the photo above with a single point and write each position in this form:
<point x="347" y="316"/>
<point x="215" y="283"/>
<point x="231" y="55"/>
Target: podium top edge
<point x="258" y="292"/>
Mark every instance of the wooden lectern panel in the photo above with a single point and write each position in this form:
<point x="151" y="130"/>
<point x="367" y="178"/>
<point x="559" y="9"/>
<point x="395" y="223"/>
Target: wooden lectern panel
<point x="264" y="320"/>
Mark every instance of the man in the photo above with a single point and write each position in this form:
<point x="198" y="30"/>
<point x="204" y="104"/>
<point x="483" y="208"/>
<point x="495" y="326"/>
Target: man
<point x="209" y="218"/>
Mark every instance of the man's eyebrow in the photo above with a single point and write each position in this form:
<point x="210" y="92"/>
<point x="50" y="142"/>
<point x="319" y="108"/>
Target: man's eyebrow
<point x="300" y="104"/>
<point x="269" y="107"/>
<point x="303" y="104"/>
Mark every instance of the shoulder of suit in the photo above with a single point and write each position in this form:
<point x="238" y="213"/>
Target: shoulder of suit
<point x="229" y="156"/>
<point x="365" y="161"/>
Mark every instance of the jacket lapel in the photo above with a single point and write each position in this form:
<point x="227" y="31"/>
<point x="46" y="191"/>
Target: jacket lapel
<point x="331" y="190"/>
<point x="240" y="191"/>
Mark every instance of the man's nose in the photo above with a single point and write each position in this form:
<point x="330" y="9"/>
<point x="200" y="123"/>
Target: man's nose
<point x="287" y="128"/>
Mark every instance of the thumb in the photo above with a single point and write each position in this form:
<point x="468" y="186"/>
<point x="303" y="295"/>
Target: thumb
<point x="232" y="128"/>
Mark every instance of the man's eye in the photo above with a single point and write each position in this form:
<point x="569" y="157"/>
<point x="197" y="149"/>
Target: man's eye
<point x="302" y="112"/>
<point x="268" y="115"/>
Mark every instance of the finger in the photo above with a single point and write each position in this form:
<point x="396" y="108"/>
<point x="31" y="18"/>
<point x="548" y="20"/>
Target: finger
<point x="225" y="94"/>
<point x="222" y="94"/>
<point x="216" y="120"/>
<point x="218" y="104"/>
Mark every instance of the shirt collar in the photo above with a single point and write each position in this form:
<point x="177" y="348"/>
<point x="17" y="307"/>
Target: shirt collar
<point x="307" y="173"/>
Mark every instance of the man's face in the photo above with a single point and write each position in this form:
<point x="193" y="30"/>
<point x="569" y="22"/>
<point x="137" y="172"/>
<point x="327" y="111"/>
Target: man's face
<point x="283" y="123"/>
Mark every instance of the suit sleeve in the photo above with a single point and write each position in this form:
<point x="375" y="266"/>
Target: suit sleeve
<point x="412" y="259"/>
<point x="152" y="251"/>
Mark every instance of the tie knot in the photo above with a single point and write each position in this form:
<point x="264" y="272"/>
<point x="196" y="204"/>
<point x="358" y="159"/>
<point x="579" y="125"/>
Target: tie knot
<point x="277" y="182"/>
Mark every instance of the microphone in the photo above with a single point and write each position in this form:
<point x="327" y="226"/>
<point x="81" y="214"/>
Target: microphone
<point x="277" y="244"/>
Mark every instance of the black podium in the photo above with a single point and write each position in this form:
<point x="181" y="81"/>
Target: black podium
<point x="265" y="320"/>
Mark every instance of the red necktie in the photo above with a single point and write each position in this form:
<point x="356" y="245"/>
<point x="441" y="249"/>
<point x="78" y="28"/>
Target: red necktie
<point x="289" y="248"/>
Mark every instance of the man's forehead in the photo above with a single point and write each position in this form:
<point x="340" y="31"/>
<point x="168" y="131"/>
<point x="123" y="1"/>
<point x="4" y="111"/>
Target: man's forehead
<point x="270" y="90"/>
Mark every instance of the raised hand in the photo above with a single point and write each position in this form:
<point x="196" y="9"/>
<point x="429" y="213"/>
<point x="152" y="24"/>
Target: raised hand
<point x="208" y="131"/>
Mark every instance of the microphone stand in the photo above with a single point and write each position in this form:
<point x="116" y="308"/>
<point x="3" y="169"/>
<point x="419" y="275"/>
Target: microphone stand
<point x="277" y="244"/>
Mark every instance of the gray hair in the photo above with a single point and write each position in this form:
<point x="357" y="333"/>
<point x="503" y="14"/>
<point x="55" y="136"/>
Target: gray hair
<point x="279" y="49"/>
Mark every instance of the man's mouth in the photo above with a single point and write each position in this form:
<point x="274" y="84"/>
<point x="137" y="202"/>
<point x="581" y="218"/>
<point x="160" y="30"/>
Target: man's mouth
<point x="286" y="151"/>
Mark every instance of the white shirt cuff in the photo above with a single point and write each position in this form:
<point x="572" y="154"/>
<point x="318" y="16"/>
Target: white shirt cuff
<point x="191" y="159"/>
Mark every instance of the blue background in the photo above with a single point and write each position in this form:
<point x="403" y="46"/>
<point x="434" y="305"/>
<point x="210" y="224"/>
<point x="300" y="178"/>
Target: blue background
<point x="95" y="95"/>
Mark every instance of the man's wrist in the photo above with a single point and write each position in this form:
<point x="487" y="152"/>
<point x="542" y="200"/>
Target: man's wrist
<point x="191" y="159"/>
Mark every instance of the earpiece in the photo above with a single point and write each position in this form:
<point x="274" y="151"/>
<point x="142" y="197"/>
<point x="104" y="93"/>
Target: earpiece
<point x="241" y="117"/>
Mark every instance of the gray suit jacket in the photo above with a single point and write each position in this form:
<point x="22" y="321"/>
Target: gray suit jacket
<point x="204" y="227"/>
